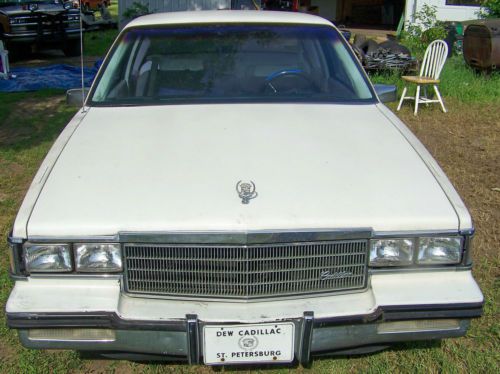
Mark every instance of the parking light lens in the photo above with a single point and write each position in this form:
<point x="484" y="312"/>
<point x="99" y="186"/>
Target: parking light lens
<point x="98" y="258"/>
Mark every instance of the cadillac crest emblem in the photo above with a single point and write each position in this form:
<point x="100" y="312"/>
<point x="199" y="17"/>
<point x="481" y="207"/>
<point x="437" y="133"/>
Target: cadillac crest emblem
<point x="246" y="191"/>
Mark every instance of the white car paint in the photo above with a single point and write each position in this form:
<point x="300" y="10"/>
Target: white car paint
<point x="175" y="168"/>
<point x="87" y="295"/>
<point x="222" y="16"/>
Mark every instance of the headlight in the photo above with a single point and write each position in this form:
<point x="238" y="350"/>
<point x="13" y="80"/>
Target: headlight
<point x="439" y="250"/>
<point x="68" y="5"/>
<point x="47" y="258"/>
<point x="391" y="252"/>
<point x="92" y="257"/>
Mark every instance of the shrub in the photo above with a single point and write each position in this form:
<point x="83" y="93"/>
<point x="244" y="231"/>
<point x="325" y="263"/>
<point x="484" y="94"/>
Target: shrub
<point x="490" y="9"/>
<point x="136" y="10"/>
<point x="424" y="29"/>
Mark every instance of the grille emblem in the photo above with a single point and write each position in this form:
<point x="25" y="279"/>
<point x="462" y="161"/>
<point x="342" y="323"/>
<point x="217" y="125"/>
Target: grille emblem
<point x="327" y="274"/>
<point x="246" y="191"/>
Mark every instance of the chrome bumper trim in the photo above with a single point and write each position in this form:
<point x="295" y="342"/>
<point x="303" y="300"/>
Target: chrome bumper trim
<point x="180" y="339"/>
<point x="193" y="339"/>
<point x="306" y="338"/>
<point x="45" y="33"/>
<point x="112" y="320"/>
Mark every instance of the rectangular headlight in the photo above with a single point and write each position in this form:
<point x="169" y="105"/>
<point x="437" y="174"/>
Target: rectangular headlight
<point x="47" y="258"/>
<point x="439" y="250"/>
<point x="391" y="252"/>
<point x="96" y="258"/>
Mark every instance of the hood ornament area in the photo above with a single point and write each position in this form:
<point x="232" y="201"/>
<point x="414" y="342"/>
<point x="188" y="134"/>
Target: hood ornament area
<point x="246" y="191"/>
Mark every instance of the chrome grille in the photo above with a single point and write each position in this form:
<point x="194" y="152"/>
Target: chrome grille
<point x="245" y="271"/>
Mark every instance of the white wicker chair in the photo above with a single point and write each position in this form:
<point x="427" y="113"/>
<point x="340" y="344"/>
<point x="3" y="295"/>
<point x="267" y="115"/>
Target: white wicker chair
<point x="434" y="59"/>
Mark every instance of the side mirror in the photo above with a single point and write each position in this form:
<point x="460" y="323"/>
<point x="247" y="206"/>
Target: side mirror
<point x="386" y="92"/>
<point x="75" y="96"/>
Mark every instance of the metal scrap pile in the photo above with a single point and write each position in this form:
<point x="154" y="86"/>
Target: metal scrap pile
<point x="388" y="55"/>
<point x="385" y="59"/>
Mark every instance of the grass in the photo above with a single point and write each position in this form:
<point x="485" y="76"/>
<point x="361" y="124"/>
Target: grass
<point x="458" y="81"/>
<point x="465" y="142"/>
<point x="96" y="43"/>
<point x="29" y="123"/>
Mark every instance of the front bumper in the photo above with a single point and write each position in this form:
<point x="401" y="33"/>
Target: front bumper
<point x="396" y="307"/>
<point x="45" y="36"/>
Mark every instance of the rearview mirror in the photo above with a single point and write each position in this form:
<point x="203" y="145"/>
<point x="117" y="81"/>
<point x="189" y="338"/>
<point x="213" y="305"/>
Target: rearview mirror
<point x="386" y="92"/>
<point x="75" y="96"/>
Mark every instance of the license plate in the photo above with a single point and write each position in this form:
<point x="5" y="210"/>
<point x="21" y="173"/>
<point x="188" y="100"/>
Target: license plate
<point x="246" y="344"/>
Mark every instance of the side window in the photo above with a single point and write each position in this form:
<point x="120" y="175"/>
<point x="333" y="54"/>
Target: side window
<point x="113" y="82"/>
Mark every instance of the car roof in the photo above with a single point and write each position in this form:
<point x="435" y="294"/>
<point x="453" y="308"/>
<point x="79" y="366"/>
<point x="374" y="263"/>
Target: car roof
<point x="226" y="16"/>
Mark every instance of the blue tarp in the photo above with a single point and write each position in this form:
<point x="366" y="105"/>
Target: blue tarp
<point x="55" y="76"/>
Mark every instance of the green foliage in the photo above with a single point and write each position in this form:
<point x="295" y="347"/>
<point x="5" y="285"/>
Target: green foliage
<point x="458" y="81"/>
<point x="434" y="33"/>
<point x="490" y="9"/>
<point x="97" y="43"/>
<point x="424" y="29"/>
<point x="136" y="10"/>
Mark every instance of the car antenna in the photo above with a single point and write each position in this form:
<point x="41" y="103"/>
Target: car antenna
<point x="81" y="58"/>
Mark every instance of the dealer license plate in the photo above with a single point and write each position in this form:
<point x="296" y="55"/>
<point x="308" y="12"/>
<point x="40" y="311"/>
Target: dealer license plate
<point x="246" y="344"/>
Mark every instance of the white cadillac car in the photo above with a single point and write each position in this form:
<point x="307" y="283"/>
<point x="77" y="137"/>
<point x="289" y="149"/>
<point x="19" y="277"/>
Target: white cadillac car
<point x="235" y="192"/>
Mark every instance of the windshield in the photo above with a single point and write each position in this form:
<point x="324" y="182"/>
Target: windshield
<point x="231" y="63"/>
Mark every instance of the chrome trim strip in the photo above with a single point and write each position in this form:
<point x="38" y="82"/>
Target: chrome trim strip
<point x="74" y="275"/>
<point x="12" y="240"/>
<point x="74" y="239"/>
<point x="470" y="231"/>
<point x="418" y="268"/>
<point x="15" y="251"/>
<point x="247" y="301"/>
<point x="244" y="237"/>
<point x="411" y="234"/>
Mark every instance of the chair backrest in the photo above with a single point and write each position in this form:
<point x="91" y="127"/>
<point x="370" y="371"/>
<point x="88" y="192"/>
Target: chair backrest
<point x="434" y="59"/>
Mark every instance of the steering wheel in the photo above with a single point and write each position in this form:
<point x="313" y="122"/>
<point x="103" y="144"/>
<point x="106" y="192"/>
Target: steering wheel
<point x="285" y="74"/>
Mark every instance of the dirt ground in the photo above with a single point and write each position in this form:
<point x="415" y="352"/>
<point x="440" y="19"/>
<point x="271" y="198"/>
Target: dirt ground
<point x="466" y="143"/>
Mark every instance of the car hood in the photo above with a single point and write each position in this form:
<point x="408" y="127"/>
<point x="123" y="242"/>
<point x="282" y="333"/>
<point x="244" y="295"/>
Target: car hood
<point x="176" y="168"/>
